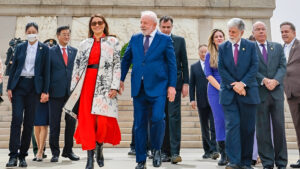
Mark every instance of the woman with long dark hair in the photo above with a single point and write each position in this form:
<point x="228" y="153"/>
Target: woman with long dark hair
<point x="95" y="84"/>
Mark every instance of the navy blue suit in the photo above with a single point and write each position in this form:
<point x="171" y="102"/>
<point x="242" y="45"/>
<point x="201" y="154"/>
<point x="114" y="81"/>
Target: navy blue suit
<point x="59" y="91"/>
<point x="26" y="93"/>
<point x="152" y="73"/>
<point x="239" y="110"/>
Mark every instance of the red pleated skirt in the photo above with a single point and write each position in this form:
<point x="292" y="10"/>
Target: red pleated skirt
<point x="94" y="128"/>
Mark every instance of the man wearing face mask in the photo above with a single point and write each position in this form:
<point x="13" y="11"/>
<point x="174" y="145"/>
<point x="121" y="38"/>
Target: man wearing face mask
<point x="238" y="67"/>
<point x="153" y="78"/>
<point x="171" y="145"/>
<point x="28" y="84"/>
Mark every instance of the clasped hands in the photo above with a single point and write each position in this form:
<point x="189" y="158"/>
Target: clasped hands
<point x="270" y="83"/>
<point x="239" y="88"/>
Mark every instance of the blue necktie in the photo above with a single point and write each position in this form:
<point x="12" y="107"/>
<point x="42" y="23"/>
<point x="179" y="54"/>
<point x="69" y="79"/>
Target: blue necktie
<point x="264" y="53"/>
<point x="146" y="44"/>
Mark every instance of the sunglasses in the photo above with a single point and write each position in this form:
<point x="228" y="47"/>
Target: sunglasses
<point x="97" y="23"/>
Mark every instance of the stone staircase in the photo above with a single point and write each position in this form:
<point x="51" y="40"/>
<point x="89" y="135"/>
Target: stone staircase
<point x="191" y="132"/>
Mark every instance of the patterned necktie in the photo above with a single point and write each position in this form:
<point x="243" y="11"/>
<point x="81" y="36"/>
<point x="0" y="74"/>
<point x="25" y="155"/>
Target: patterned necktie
<point x="264" y="53"/>
<point x="146" y="44"/>
<point x="65" y="56"/>
<point x="236" y="53"/>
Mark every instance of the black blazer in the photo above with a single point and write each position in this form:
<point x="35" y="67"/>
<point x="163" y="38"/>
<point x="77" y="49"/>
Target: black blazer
<point x="181" y="60"/>
<point x="198" y="82"/>
<point x="41" y="67"/>
<point x="60" y="74"/>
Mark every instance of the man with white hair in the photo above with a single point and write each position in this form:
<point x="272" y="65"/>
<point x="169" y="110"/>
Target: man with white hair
<point x="153" y="78"/>
<point x="238" y="66"/>
<point x="272" y="69"/>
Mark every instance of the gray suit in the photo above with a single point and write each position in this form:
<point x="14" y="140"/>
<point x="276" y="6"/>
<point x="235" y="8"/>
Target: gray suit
<point x="272" y="105"/>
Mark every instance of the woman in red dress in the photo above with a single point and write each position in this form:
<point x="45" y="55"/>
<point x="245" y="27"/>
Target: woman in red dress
<point x="96" y="74"/>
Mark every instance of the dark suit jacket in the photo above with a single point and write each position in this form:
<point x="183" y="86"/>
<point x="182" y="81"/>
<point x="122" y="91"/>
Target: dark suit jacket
<point x="245" y="71"/>
<point x="198" y="82"/>
<point x="274" y="69"/>
<point x="60" y="74"/>
<point x="157" y="66"/>
<point x="41" y="67"/>
<point x="292" y="78"/>
<point x="181" y="60"/>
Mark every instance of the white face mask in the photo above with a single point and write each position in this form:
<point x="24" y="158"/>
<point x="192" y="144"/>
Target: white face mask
<point x="32" y="37"/>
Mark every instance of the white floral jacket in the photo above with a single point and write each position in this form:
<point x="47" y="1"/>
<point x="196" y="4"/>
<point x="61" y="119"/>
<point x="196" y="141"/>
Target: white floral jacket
<point x="108" y="77"/>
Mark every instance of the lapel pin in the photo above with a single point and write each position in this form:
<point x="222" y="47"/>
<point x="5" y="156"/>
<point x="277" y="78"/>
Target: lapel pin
<point x="271" y="48"/>
<point x="41" y="48"/>
<point x="243" y="49"/>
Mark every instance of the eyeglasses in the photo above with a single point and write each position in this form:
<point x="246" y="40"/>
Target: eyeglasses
<point x="97" y="23"/>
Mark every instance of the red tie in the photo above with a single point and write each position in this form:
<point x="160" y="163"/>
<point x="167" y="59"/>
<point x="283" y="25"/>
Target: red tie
<point x="65" y="56"/>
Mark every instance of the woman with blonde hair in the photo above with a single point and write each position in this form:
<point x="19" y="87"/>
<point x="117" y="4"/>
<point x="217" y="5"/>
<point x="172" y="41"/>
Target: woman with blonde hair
<point x="94" y="85"/>
<point x="211" y="71"/>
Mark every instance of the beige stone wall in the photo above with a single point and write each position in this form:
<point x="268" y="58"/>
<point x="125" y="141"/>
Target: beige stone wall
<point x="194" y="19"/>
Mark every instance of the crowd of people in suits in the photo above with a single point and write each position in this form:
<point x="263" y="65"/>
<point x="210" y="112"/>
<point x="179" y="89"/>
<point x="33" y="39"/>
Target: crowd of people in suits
<point x="239" y="87"/>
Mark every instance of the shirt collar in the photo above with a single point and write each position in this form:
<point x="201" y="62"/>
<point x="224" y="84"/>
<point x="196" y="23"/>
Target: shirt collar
<point x="35" y="45"/>
<point x="291" y="44"/>
<point x="152" y="34"/>
<point x="62" y="46"/>
<point x="201" y="61"/>
<point x="265" y="43"/>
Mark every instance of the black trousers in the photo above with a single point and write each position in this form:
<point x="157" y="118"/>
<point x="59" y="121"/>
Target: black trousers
<point x="24" y="103"/>
<point x="56" y="105"/>
<point x="207" y="129"/>
<point x="171" y="144"/>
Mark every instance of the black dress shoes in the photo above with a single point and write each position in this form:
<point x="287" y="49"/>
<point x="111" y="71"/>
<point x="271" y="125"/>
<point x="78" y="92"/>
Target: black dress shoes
<point x="54" y="159"/>
<point x="281" y="167"/>
<point x="297" y="165"/>
<point x="156" y="158"/>
<point x="132" y="152"/>
<point x="165" y="157"/>
<point x="71" y="156"/>
<point x="12" y="162"/>
<point x="22" y="162"/>
<point x="141" y="165"/>
<point x="206" y="156"/>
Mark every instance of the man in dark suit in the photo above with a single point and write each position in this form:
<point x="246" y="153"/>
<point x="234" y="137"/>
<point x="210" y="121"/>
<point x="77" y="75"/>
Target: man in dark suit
<point x="198" y="85"/>
<point x="61" y="65"/>
<point x="292" y="78"/>
<point x="28" y="84"/>
<point x="153" y="77"/>
<point x="171" y="144"/>
<point x="238" y="66"/>
<point x="271" y="71"/>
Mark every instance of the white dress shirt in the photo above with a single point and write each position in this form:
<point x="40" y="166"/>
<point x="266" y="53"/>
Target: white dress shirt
<point x="261" y="48"/>
<point x="287" y="49"/>
<point x="239" y="43"/>
<point x="28" y="69"/>
<point x="202" y="63"/>
<point x="60" y="46"/>
<point x="151" y="37"/>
